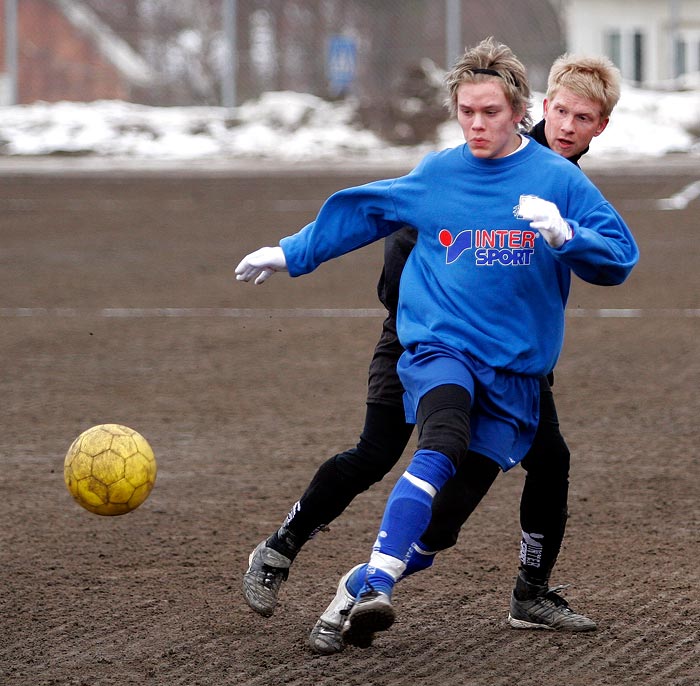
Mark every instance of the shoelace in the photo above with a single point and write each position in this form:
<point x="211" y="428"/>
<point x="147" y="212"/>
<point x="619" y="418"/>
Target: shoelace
<point x="552" y="596"/>
<point x="273" y="575"/>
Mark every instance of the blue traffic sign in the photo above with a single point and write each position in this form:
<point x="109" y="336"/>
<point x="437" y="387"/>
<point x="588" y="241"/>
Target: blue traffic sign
<point x="341" y="65"/>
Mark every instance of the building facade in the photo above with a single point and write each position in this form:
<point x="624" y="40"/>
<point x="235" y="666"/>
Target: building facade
<point x="655" y="43"/>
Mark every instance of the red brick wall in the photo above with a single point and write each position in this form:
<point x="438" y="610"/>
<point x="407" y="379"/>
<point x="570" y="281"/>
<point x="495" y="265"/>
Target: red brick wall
<point x="56" y="61"/>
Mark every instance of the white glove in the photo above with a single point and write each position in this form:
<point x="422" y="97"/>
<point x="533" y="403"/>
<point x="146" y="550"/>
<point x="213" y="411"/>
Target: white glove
<point x="261" y="265"/>
<point x="544" y="217"/>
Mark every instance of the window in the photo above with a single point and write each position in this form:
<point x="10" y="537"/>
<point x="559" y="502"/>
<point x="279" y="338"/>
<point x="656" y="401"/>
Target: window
<point x="613" y="47"/>
<point x="679" y="58"/>
<point x="638" y="57"/>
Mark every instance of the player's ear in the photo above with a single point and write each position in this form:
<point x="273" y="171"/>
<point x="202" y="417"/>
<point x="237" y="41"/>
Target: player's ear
<point x="601" y="126"/>
<point x="518" y="116"/>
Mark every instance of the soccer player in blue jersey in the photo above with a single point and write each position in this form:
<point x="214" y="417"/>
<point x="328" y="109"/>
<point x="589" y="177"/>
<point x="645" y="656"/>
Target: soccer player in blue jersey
<point x="581" y="94"/>
<point x="482" y="295"/>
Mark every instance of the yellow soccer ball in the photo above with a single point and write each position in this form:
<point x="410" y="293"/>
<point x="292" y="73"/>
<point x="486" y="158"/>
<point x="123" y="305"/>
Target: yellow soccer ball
<point x="110" y="469"/>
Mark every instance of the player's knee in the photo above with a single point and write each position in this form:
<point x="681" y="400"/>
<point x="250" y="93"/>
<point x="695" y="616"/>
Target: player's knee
<point x="551" y="459"/>
<point x="361" y="467"/>
<point x="443" y="420"/>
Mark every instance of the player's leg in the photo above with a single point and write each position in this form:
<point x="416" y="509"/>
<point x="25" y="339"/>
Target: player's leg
<point x="453" y="504"/>
<point x="543" y="515"/>
<point x="339" y="479"/>
<point x="382" y="442"/>
<point x="333" y="487"/>
<point x="444" y="434"/>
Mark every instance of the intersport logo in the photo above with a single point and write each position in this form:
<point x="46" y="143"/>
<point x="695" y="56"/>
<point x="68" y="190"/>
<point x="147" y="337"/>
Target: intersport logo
<point x="509" y="247"/>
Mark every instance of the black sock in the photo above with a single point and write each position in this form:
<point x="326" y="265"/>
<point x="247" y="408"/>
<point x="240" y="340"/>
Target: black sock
<point x="529" y="585"/>
<point x="284" y="542"/>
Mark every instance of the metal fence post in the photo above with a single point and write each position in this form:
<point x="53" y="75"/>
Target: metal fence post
<point x="228" y="82"/>
<point x="11" y="67"/>
<point x="453" y="31"/>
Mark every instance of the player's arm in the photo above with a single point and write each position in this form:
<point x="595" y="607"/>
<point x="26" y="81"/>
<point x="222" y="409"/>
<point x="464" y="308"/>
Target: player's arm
<point x="348" y="220"/>
<point x="602" y="250"/>
<point x="599" y="248"/>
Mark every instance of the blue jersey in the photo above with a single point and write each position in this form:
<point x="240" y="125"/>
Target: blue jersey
<point x="479" y="280"/>
<point x="482" y="295"/>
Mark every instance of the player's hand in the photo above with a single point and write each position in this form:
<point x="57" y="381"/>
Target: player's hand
<point x="544" y="217"/>
<point x="261" y="265"/>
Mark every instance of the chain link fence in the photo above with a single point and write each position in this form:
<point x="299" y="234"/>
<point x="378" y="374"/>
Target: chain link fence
<point x="329" y="48"/>
<point x="388" y="55"/>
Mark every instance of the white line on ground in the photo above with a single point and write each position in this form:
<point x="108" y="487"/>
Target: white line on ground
<point x="680" y="200"/>
<point x="628" y="313"/>
<point x="296" y="313"/>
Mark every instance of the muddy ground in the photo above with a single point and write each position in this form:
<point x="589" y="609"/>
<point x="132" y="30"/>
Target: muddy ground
<point x="118" y="304"/>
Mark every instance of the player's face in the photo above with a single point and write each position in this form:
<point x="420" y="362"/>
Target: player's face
<point x="571" y="122"/>
<point x="487" y="119"/>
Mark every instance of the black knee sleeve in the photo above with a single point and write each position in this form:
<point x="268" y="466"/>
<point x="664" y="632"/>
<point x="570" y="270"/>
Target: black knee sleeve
<point x="443" y="422"/>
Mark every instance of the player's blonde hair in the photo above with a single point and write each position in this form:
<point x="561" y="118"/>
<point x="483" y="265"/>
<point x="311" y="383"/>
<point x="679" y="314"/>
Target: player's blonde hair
<point x="593" y="78"/>
<point x="492" y="56"/>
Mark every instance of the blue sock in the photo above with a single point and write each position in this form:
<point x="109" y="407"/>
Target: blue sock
<point x="378" y="580"/>
<point x="406" y="516"/>
<point x="356" y="580"/>
<point x="418" y="559"/>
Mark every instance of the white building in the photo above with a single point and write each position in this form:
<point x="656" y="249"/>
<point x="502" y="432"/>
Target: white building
<point x="653" y="42"/>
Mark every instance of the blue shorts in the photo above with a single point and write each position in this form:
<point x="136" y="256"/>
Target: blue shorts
<point x="505" y="406"/>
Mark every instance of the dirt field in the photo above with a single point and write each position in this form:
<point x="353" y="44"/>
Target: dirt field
<point x="118" y="304"/>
